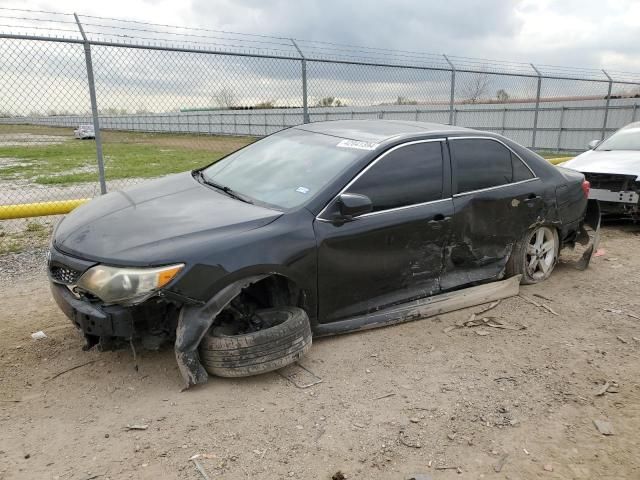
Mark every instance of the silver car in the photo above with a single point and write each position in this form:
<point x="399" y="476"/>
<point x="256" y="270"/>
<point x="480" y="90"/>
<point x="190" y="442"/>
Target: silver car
<point x="612" y="167"/>
<point x="84" y="131"/>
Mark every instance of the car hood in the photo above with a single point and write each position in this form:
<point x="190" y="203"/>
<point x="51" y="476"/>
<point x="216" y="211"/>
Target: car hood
<point x="600" y="161"/>
<point x="161" y="221"/>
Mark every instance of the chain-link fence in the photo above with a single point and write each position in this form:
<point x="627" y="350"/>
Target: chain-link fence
<point x="155" y="99"/>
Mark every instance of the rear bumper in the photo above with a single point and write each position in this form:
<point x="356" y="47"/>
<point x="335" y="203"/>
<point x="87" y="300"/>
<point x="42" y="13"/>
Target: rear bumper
<point x="609" y="196"/>
<point x="589" y="234"/>
<point x="93" y="319"/>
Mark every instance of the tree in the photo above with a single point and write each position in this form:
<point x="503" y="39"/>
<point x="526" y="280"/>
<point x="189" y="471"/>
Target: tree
<point x="405" y="101"/>
<point x="634" y="93"/>
<point x="330" y="102"/>
<point x="267" y="104"/>
<point x="502" y="95"/>
<point x="114" y="111"/>
<point x="225" y="98"/>
<point x="142" y="109"/>
<point x="476" y="87"/>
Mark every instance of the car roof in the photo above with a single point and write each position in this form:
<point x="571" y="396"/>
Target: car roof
<point x="632" y="125"/>
<point x="379" y="131"/>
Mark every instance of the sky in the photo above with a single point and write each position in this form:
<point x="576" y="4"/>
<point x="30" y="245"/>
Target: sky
<point x="591" y="34"/>
<point x="577" y="33"/>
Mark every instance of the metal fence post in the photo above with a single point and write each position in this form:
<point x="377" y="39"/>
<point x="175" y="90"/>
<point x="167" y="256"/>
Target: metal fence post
<point x="94" y="106"/>
<point x="633" y="114"/>
<point x="535" y="115"/>
<point x="504" y="119"/>
<point x="606" y="106"/>
<point x="305" y="107"/>
<point x="560" y="128"/>
<point x="452" y="95"/>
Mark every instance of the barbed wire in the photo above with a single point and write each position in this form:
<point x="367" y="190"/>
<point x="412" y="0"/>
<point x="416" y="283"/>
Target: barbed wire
<point x="135" y="32"/>
<point x="35" y="11"/>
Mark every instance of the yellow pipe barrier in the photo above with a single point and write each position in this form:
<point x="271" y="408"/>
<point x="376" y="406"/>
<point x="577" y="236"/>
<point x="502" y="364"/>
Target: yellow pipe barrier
<point x="557" y="160"/>
<point x="25" y="210"/>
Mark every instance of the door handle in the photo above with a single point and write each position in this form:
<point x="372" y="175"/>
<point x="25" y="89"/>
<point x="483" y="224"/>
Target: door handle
<point x="531" y="197"/>
<point x="438" y="217"/>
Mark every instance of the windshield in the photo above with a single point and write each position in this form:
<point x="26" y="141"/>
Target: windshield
<point x="286" y="169"/>
<point x="622" y="140"/>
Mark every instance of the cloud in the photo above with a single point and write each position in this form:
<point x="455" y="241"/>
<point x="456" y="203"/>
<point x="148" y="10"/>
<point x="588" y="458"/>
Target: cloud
<point x="452" y="27"/>
<point x="570" y="33"/>
<point x="578" y="33"/>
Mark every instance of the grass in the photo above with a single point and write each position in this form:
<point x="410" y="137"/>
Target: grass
<point x="38" y="230"/>
<point x="32" y="234"/>
<point x="64" y="163"/>
<point x="11" y="246"/>
<point x="126" y="155"/>
<point x="555" y="158"/>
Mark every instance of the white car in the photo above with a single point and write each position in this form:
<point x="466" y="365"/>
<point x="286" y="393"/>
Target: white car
<point x="84" y="131"/>
<point x="612" y="167"/>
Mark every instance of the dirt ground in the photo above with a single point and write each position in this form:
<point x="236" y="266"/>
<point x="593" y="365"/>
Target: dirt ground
<point x="396" y="402"/>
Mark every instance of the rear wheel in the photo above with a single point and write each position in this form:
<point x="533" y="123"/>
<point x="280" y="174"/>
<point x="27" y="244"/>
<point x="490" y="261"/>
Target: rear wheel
<point x="535" y="256"/>
<point x="284" y="339"/>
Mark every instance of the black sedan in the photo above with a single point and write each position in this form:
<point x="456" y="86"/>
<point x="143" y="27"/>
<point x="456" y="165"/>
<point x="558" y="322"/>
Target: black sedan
<point x="318" y="229"/>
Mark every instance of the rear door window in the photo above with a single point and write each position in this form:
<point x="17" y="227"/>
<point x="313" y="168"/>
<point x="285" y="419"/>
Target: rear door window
<point x="406" y="176"/>
<point x="520" y="170"/>
<point x="480" y="163"/>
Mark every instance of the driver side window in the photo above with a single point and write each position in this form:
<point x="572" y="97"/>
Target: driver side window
<point x="406" y="176"/>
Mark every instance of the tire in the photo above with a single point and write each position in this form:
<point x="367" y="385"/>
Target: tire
<point x="258" y="352"/>
<point x="535" y="255"/>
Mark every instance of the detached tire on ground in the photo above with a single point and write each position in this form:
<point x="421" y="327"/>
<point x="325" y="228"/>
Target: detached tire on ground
<point x="535" y="255"/>
<point x="262" y="351"/>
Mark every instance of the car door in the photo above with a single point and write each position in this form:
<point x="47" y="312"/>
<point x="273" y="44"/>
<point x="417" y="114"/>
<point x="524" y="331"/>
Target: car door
<point x="496" y="198"/>
<point x="394" y="253"/>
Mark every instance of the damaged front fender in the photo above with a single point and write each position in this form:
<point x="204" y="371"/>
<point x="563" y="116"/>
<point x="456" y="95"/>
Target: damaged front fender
<point x="193" y="323"/>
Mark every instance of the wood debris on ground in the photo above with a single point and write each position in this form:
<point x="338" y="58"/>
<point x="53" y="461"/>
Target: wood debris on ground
<point x="539" y="305"/>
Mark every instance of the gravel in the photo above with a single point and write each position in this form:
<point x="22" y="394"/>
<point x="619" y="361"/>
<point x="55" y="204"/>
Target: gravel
<point x="23" y="265"/>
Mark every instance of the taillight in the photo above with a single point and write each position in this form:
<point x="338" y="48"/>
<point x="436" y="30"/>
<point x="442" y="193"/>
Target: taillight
<point x="586" y="186"/>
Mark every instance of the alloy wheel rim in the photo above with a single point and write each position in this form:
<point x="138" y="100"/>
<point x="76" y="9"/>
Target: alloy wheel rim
<point x="541" y="253"/>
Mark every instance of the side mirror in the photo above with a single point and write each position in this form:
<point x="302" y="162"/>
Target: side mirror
<point x="593" y="144"/>
<point x="353" y="204"/>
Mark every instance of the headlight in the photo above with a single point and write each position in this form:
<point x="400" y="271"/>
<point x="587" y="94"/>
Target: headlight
<point x="126" y="285"/>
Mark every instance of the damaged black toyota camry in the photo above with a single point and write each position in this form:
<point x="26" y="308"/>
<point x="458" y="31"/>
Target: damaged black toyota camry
<point x="316" y="230"/>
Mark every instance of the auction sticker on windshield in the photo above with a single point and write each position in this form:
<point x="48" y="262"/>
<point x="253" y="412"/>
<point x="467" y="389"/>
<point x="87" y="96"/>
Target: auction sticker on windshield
<point x="357" y="144"/>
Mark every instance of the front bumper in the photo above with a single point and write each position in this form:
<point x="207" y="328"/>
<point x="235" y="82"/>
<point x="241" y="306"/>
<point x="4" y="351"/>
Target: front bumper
<point x="156" y="316"/>
<point x="94" y="319"/>
<point x="154" y="321"/>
